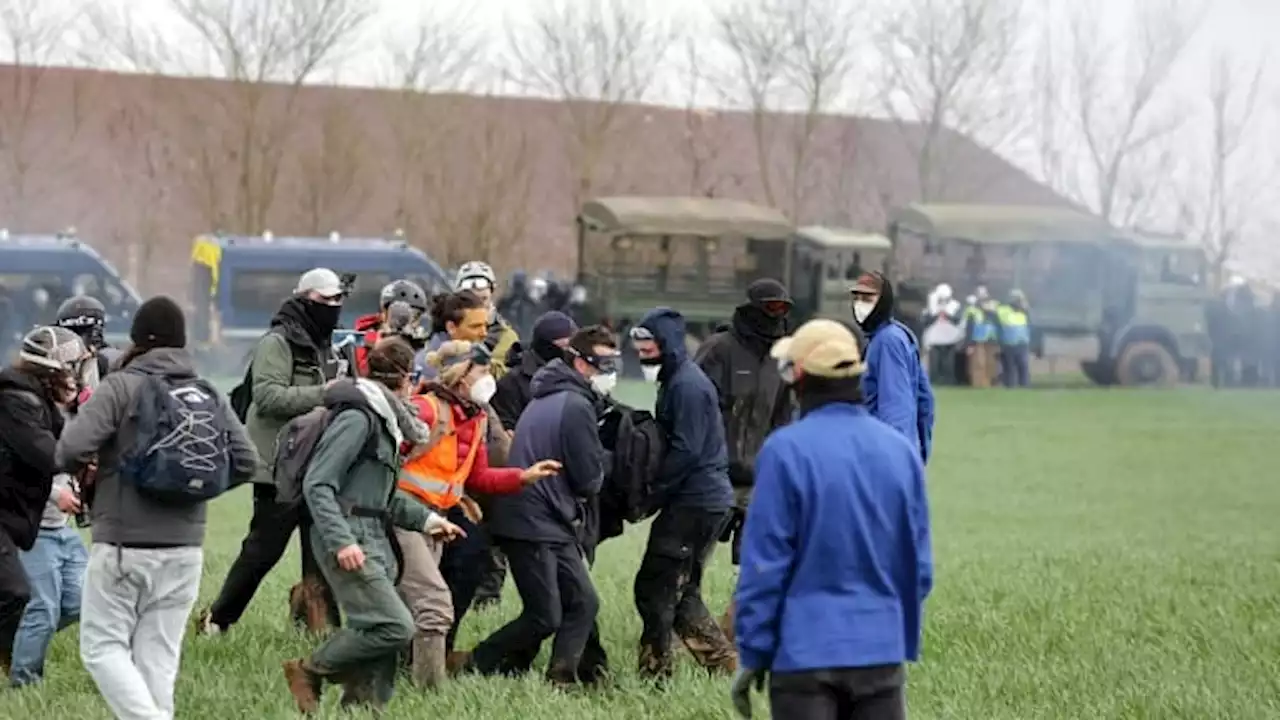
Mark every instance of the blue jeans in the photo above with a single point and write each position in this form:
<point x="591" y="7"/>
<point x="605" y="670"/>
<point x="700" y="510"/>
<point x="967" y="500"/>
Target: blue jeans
<point x="55" y="568"/>
<point x="1015" y="365"/>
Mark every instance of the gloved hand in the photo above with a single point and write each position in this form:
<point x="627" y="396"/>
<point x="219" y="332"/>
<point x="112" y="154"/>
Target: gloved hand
<point x="743" y="682"/>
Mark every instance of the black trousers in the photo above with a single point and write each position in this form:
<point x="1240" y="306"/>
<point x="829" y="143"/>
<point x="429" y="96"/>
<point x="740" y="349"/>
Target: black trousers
<point x="269" y="531"/>
<point x="492" y="578"/>
<point x="872" y="693"/>
<point x="462" y="566"/>
<point x="558" y="600"/>
<point x="668" y="587"/>
<point x="15" y="593"/>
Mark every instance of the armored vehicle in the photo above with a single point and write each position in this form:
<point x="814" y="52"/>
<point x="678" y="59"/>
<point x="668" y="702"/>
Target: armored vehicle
<point x="1130" y="308"/>
<point x="694" y="254"/>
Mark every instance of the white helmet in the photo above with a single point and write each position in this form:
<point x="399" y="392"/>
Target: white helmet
<point x="52" y="347"/>
<point x="944" y="291"/>
<point x="476" y="275"/>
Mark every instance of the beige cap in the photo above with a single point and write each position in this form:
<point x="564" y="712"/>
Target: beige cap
<point x="822" y="348"/>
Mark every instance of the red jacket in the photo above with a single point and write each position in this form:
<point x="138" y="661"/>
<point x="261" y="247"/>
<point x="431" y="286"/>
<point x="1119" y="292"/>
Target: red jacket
<point x="368" y="324"/>
<point x="483" y="479"/>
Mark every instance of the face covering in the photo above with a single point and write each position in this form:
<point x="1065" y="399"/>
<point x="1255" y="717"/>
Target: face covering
<point x="862" y="310"/>
<point x="604" y="383"/>
<point x="483" y="390"/>
<point x="651" y="372"/>
<point x="323" y="315"/>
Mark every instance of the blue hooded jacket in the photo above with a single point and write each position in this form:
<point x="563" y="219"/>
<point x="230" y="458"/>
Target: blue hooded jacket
<point x="836" y="553"/>
<point x="895" y="386"/>
<point x="695" y="471"/>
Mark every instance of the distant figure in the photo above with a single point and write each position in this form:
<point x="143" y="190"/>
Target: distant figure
<point x="942" y="335"/>
<point x="1015" y="341"/>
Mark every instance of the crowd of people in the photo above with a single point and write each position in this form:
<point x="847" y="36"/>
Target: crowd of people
<point x="979" y="343"/>
<point x="437" y="453"/>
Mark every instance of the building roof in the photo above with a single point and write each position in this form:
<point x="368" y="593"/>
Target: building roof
<point x="706" y="217"/>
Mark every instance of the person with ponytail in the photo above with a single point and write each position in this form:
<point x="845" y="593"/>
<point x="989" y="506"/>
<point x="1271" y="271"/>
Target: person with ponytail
<point x="440" y="581"/>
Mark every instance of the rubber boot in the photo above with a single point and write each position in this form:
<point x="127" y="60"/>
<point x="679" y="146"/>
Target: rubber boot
<point x="308" y="607"/>
<point x="563" y="675"/>
<point x="457" y="662"/>
<point x="706" y="642"/>
<point x="429" y="666"/>
<point x="304" y="685"/>
<point x="655" y="665"/>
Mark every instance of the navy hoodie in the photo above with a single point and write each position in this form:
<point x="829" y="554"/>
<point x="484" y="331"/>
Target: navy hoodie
<point x="558" y="424"/>
<point x="695" y="472"/>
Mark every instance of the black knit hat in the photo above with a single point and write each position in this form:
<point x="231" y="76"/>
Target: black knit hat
<point x="767" y="290"/>
<point x="159" y="323"/>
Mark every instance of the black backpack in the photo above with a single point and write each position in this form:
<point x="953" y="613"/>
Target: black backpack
<point x="638" y="446"/>
<point x="296" y="444"/>
<point x="181" y="449"/>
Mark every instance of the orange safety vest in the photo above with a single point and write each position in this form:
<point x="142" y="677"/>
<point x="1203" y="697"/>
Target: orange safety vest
<point x="436" y="475"/>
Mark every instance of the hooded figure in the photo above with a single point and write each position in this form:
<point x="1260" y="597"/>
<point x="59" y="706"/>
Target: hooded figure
<point x="895" y="387"/>
<point x="693" y="496"/>
<point x="518" y="306"/>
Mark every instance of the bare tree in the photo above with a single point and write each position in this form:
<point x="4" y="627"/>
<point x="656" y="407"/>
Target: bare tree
<point x="31" y="38"/>
<point x="947" y="67"/>
<point x="425" y="64"/>
<point x="1115" y="151"/>
<point x="596" y="59"/>
<point x="244" y="129"/>
<point x="1227" y="183"/>
<point x="703" y="130"/>
<point x="480" y="203"/>
<point x="791" y="55"/>
<point x="332" y="165"/>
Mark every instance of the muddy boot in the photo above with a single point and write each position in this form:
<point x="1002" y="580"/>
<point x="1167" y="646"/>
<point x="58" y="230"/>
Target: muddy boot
<point x="726" y="623"/>
<point x="706" y="642"/>
<point x="429" y="667"/>
<point x="655" y="665"/>
<point x="308" y="607"/>
<point x="304" y="685"/>
<point x="562" y="675"/>
<point x="358" y="694"/>
<point x="457" y="662"/>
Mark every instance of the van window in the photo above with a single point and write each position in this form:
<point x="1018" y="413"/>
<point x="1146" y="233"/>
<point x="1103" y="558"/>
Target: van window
<point x="264" y="290"/>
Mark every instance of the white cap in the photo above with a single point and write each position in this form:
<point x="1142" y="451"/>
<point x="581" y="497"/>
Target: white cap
<point x="320" y="280"/>
<point x="944" y="291"/>
<point x="1236" y="281"/>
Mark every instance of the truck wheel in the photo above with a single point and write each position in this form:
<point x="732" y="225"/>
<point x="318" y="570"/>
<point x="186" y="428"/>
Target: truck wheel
<point x="1147" y="364"/>
<point x="1100" y="373"/>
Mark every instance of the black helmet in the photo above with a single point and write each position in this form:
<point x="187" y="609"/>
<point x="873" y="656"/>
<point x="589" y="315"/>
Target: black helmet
<point x="405" y="291"/>
<point x="84" y="316"/>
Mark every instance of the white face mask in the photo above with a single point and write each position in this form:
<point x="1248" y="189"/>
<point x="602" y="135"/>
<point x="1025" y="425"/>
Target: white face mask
<point x="483" y="389"/>
<point x="604" y="383"/>
<point x="651" y="372"/>
<point x="862" y="310"/>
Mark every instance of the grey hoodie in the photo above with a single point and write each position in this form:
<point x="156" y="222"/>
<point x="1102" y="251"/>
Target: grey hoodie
<point x="120" y="515"/>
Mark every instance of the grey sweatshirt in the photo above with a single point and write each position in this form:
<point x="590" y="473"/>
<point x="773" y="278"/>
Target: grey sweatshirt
<point x="121" y="516"/>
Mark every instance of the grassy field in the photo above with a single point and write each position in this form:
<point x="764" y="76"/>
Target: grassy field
<point x="1100" y="554"/>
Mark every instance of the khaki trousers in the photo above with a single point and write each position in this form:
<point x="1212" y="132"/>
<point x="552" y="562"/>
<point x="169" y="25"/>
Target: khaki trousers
<point x="982" y="364"/>
<point x="422" y="586"/>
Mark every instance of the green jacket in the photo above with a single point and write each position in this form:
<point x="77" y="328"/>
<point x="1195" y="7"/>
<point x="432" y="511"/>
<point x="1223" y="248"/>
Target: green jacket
<point x="506" y="337"/>
<point x="284" y="387"/>
<point x="342" y="476"/>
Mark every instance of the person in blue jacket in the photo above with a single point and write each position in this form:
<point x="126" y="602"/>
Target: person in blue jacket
<point x="836" y="557"/>
<point x="895" y="387"/>
<point x="693" y="497"/>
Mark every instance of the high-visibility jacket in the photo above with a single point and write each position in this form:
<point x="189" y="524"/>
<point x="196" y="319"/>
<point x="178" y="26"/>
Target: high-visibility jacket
<point x="978" y="325"/>
<point x="1014" y="329"/>
<point x="455" y="460"/>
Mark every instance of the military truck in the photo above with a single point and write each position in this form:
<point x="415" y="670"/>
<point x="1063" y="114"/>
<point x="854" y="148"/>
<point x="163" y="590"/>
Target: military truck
<point x="40" y="270"/>
<point x="694" y="254"/>
<point x="825" y="263"/>
<point x="239" y="282"/>
<point x="1130" y="308"/>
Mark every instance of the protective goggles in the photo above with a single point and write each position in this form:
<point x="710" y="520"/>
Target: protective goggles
<point x="475" y="283"/>
<point x="606" y="364"/>
<point x="641" y="334"/>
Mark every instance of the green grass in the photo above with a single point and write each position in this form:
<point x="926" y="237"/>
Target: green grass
<point x="1100" y="554"/>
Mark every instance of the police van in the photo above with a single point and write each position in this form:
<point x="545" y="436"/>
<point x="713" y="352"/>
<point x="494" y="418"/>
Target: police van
<point x="39" y="271"/>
